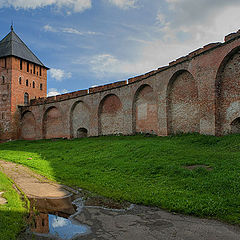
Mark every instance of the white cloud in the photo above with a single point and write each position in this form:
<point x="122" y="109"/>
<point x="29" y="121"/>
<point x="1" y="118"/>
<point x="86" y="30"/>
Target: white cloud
<point x="54" y="92"/>
<point x="107" y="65"/>
<point x="102" y="63"/>
<point x="180" y="36"/>
<point x="205" y="17"/>
<point x="124" y="4"/>
<point x="187" y="26"/>
<point x="73" y="5"/>
<point x="59" y="74"/>
<point x="49" y="28"/>
<point x="58" y="222"/>
<point x="174" y="43"/>
<point x="70" y="30"/>
<point x="161" y="18"/>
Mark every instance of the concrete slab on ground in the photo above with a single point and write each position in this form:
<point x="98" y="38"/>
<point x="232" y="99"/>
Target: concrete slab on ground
<point x="32" y="184"/>
<point x="2" y="199"/>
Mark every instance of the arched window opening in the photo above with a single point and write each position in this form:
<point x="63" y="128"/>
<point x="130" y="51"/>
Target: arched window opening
<point x="27" y="82"/>
<point x="3" y="79"/>
<point x="82" y="133"/>
<point x="33" y="85"/>
<point x="26" y="98"/>
<point x="235" y="126"/>
<point x="20" y="80"/>
<point x="41" y="86"/>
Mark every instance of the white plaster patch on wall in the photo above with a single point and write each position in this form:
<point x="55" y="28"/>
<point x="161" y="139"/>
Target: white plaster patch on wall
<point x="233" y="111"/>
<point x="152" y="108"/>
<point x="81" y="118"/>
<point x="142" y="111"/>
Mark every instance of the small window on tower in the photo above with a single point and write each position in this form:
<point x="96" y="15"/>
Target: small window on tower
<point x="3" y="115"/>
<point x="27" y="82"/>
<point x="28" y="67"/>
<point x="3" y="79"/>
<point x="26" y="98"/>
<point x="34" y="69"/>
<point x="40" y="86"/>
<point x="20" y="80"/>
<point x="20" y="64"/>
<point x="33" y="84"/>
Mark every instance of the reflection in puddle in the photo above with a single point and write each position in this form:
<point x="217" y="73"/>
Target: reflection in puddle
<point x="56" y="216"/>
<point x="51" y="225"/>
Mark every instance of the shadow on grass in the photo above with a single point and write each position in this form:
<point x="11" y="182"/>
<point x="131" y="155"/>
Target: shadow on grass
<point x="12" y="222"/>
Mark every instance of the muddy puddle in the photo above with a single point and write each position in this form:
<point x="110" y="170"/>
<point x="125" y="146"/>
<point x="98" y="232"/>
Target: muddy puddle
<point x="55" y="218"/>
<point x="52" y="226"/>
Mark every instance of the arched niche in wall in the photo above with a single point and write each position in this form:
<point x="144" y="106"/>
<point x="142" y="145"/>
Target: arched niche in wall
<point x="110" y="115"/>
<point x="228" y="92"/>
<point x="182" y="104"/>
<point x="52" y="123"/>
<point x="235" y="126"/>
<point x="28" y="126"/>
<point x="82" y="133"/>
<point x="79" y="118"/>
<point x="145" y="111"/>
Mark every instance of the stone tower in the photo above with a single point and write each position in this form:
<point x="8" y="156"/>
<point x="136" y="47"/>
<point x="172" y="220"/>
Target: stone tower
<point x="22" y="77"/>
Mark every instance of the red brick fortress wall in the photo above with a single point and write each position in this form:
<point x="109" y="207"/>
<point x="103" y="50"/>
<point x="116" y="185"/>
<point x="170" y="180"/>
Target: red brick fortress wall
<point x="195" y="93"/>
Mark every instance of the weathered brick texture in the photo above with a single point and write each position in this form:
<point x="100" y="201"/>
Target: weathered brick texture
<point x="145" y="117"/>
<point x="229" y="95"/>
<point x="14" y="84"/>
<point x="110" y="115"/>
<point x="79" y="119"/>
<point x="52" y="123"/>
<point x="183" y="107"/>
<point x="28" y="129"/>
<point x="195" y="93"/>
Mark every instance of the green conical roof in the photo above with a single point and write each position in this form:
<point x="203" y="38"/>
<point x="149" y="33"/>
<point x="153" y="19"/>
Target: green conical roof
<point x="12" y="45"/>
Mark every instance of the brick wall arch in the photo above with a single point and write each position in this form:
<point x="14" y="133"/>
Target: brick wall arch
<point x="28" y="126"/>
<point x="145" y="110"/>
<point x="182" y="104"/>
<point x="227" y="92"/>
<point x="52" y="123"/>
<point x="79" y="118"/>
<point x="110" y="115"/>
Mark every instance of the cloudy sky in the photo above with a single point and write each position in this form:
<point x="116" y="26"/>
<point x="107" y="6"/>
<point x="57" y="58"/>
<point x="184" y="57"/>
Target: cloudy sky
<point x="94" y="42"/>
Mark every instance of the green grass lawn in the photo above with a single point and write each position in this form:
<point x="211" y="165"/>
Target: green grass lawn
<point x="12" y="214"/>
<point x="144" y="170"/>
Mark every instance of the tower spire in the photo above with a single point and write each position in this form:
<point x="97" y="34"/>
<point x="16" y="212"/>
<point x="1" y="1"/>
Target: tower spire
<point x="12" y="25"/>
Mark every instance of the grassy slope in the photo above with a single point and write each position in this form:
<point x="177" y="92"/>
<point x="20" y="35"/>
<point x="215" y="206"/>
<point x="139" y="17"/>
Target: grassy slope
<point x="12" y="214"/>
<point x="144" y="170"/>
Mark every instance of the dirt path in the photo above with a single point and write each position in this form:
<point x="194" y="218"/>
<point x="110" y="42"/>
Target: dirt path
<point x="138" y="223"/>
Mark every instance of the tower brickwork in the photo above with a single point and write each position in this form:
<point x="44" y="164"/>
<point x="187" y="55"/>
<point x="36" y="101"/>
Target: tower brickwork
<point x="22" y="77"/>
